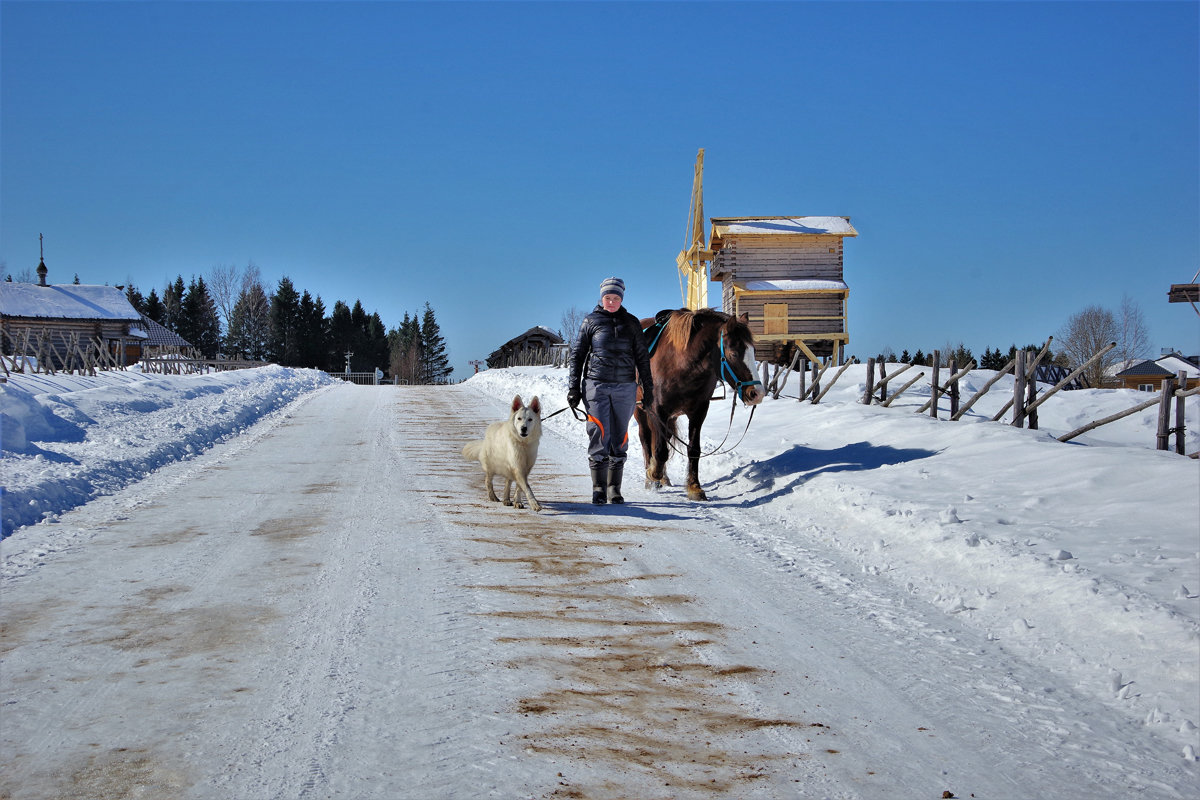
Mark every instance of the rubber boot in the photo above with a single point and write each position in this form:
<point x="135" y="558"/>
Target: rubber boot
<point x="599" y="484"/>
<point x="614" y="483"/>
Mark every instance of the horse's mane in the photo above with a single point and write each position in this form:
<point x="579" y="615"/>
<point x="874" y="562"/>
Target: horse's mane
<point x="684" y="322"/>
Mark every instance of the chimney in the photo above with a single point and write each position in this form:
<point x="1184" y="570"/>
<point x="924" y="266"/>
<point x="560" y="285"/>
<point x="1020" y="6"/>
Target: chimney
<point x="41" y="267"/>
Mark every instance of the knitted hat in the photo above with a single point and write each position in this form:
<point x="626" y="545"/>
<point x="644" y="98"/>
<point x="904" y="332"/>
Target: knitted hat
<point x="613" y="286"/>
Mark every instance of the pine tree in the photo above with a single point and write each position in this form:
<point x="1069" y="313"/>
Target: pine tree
<point x="199" y="321"/>
<point x="435" y="363"/>
<point x="905" y="358"/>
<point x="341" y="336"/>
<point x="172" y="298"/>
<point x="153" y="307"/>
<point x="285" y="325"/>
<point x="919" y="358"/>
<point x="313" y="333"/>
<point x="135" y="299"/>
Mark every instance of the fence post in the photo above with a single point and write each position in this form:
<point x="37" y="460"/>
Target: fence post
<point x="1019" y="390"/>
<point x="868" y="395"/>
<point x="803" y="390"/>
<point x="954" y="394"/>
<point x="1164" y="414"/>
<point x="816" y="382"/>
<point x="1180" y="426"/>
<point x="883" y="380"/>
<point x="935" y="388"/>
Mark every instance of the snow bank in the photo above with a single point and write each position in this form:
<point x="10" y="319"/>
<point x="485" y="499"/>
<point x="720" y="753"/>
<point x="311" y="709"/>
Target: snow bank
<point x="67" y="439"/>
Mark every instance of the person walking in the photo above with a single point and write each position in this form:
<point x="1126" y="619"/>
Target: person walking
<point x="608" y="361"/>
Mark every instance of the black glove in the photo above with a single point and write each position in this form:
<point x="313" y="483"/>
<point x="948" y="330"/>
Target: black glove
<point x="573" y="398"/>
<point x="647" y="396"/>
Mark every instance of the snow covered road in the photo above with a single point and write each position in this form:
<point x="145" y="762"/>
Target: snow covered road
<point x="327" y="606"/>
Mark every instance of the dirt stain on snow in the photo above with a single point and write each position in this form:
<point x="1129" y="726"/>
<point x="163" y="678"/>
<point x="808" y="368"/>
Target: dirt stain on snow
<point x="638" y="687"/>
<point x="159" y="619"/>
<point x="124" y="774"/>
<point x="288" y="528"/>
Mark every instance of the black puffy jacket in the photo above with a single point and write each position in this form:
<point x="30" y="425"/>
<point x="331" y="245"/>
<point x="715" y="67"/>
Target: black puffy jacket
<point x="612" y="347"/>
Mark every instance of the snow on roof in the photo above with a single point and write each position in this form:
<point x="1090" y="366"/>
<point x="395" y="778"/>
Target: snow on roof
<point x="826" y="226"/>
<point x="792" y="285"/>
<point x="71" y="301"/>
<point x="1174" y="363"/>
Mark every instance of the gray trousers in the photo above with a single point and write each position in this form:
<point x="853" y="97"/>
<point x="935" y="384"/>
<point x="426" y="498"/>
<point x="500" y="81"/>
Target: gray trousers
<point x="609" y="407"/>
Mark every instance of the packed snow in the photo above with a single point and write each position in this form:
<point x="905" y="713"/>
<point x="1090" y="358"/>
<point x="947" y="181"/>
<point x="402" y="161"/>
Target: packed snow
<point x="1038" y="600"/>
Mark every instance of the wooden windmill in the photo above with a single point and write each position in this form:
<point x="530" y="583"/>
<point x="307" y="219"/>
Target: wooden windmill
<point x="692" y="257"/>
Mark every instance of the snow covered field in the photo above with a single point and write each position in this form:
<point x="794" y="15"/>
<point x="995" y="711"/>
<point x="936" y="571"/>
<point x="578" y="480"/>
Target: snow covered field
<point x="873" y="604"/>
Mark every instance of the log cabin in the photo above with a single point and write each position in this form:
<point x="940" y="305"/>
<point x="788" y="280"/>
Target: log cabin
<point x="787" y="274"/>
<point x="58" y="315"/>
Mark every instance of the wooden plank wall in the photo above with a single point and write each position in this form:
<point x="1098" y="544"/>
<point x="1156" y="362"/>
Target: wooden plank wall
<point x="781" y="258"/>
<point x="809" y="305"/>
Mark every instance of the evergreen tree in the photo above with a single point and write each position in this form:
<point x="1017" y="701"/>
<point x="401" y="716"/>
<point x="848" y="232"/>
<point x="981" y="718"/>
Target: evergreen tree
<point x="435" y="363"/>
<point x="377" y="336"/>
<point x="919" y="358"/>
<point x="199" y="321"/>
<point x="363" y="358"/>
<point x="153" y="308"/>
<point x="341" y="336"/>
<point x="172" y="299"/>
<point x="250" y="324"/>
<point x="313" y="333"/>
<point x="285" y="325"/>
<point x="905" y="358"/>
<point x="135" y="299"/>
<point x="993" y="359"/>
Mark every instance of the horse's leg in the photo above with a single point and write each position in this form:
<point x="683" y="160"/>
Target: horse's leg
<point x="695" y="422"/>
<point x="662" y="451"/>
<point x="646" y="436"/>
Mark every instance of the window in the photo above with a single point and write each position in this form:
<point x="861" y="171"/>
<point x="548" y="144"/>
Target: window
<point x="775" y="318"/>
<point x="1147" y="387"/>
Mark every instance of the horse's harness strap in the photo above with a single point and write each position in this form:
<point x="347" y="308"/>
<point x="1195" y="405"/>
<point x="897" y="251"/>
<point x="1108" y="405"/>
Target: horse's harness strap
<point x="726" y="369"/>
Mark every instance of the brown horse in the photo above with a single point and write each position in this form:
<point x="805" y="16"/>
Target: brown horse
<point x="690" y="353"/>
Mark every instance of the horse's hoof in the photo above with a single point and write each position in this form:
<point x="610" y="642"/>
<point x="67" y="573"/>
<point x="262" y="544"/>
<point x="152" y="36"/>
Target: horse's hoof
<point x="696" y="493"/>
<point x="653" y="486"/>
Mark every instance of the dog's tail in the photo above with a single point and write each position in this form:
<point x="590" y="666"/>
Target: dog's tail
<point x="471" y="450"/>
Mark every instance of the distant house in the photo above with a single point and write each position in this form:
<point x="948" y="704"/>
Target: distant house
<point x="54" y="316"/>
<point x="535" y="346"/>
<point x="1147" y="376"/>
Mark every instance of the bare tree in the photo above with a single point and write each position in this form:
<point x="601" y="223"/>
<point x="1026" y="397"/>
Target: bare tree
<point x="1085" y="334"/>
<point x="226" y="283"/>
<point x="572" y="318"/>
<point x="1133" y="338"/>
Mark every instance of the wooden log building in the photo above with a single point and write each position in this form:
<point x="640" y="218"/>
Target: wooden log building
<point x="533" y="345"/>
<point x="61" y="314"/>
<point x="787" y="274"/>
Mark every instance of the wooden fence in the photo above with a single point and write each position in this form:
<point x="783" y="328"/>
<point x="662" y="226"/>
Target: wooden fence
<point x="37" y="353"/>
<point x="1023" y="404"/>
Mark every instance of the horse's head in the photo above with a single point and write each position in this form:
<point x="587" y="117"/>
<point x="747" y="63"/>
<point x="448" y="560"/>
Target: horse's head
<point x="733" y="343"/>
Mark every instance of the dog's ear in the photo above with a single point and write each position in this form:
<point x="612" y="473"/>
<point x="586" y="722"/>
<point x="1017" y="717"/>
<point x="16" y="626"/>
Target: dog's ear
<point x="536" y="405"/>
<point x="516" y="402"/>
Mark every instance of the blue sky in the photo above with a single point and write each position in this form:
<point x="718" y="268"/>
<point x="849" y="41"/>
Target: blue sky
<point x="1006" y="164"/>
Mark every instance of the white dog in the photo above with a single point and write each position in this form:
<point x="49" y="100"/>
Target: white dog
<point x="509" y="449"/>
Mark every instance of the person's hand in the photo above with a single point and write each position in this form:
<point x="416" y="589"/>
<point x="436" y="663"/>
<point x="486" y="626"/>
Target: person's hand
<point x="573" y="398"/>
<point x="647" y="397"/>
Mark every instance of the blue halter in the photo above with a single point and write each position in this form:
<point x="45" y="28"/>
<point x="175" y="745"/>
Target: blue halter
<point x="732" y="378"/>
